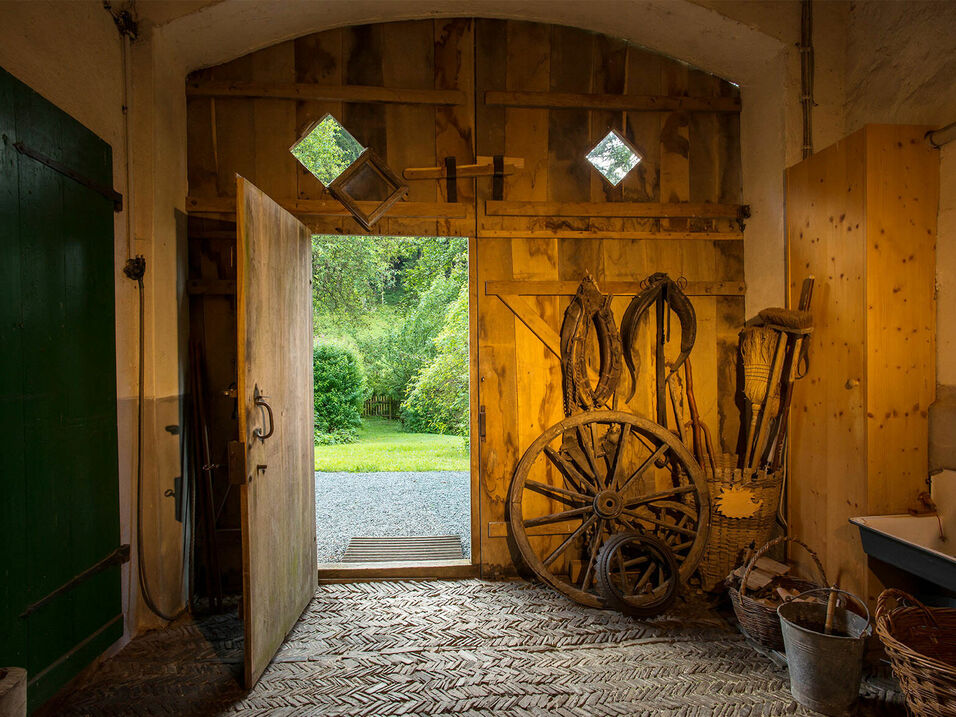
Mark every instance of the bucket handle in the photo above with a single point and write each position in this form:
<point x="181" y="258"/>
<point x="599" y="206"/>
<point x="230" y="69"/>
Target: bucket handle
<point x="869" y="626"/>
<point x="766" y="547"/>
<point x="883" y="610"/>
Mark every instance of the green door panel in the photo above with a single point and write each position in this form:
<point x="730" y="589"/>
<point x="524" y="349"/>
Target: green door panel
<point x="57" y="307"/>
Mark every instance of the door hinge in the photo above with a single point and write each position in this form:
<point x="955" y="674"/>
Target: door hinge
<point x="481" y="423"/>
<point x="107" y="192"/>
<point x="237" y="463"/>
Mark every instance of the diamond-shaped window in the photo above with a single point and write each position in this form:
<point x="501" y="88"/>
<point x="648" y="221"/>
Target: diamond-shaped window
<point x="326" y="149"/>
<point x="614" y="157"/>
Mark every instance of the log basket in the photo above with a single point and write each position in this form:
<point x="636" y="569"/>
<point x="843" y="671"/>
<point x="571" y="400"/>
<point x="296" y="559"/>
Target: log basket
<point x="921" y="644"/>
<point x="730" y="538"/>
<point x="760" y="621"/>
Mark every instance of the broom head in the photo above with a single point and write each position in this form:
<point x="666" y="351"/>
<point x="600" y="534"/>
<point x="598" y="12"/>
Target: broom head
<point x="757" y="347"/>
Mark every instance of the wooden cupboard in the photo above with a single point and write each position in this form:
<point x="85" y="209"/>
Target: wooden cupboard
<point x="861" y="217"/>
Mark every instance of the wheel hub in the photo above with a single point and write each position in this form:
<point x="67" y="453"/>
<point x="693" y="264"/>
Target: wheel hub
<point x="608" y="504"/>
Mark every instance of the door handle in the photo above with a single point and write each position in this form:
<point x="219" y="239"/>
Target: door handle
<point x="260" y="401"/>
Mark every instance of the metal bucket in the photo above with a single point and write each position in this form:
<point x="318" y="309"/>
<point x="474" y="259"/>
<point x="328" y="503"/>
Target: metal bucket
<point x="825" y="670"/>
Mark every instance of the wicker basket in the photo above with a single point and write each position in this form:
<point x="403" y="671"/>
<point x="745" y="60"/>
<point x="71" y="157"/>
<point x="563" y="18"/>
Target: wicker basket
<point x="760" y="621"/>
<point x="921" y="644"/>
<point x="729" y="537"/>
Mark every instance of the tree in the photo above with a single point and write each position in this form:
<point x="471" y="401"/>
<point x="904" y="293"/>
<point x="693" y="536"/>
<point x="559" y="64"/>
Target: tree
<point x="327" y="150"/>
<point x="394" y="357"/>
<point x="350" y="274"/>
<point x="438" y="398"/>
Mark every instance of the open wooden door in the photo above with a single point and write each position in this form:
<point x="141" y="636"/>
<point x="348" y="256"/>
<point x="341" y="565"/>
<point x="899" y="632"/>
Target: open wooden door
<point x="276" y="456"/>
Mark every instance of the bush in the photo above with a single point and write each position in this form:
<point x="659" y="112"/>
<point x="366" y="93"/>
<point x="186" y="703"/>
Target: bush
<point x="339" y="393"/>
<point x="399" y="354"/>
<point x="437" y="399"/>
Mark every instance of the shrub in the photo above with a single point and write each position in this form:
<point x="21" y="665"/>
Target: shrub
<point x="339" y="393"/>
<point x="400" y="353"/>
<point x="437" y="399"/>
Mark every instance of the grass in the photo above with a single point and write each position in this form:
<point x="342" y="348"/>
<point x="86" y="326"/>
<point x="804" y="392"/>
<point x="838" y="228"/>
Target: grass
<point x="383" y="446"/>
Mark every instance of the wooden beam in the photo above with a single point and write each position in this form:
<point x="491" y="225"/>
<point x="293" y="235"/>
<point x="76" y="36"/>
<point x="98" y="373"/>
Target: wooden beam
<point x="333" y="208"/>
<point x="325" y="93"/>
<point x="630" y="103"/>
<point x="644" y="210"/>
<point x="484" y="168"/>
<point x="431" y="570"/>
<point x="530" y="317"/>
<point x="601" y="234"/>
<point x="513" y="288"/>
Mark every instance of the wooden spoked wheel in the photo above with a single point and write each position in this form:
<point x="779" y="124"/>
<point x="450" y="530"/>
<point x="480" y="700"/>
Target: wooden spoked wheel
<point x="596" y="474"/>
<point x="637" y="574"/>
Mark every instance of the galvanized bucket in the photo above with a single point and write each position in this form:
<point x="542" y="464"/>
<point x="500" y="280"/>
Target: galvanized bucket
<point x="825" y="670"/>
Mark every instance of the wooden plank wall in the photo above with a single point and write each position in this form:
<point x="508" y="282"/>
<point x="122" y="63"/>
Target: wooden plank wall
<point x="233" y="134"/>
<point x="559" y="218"/>
<point x="688" y="157"/>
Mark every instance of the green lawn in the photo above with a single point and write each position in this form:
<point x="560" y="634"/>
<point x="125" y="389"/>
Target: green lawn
<point x="383" y="446"/>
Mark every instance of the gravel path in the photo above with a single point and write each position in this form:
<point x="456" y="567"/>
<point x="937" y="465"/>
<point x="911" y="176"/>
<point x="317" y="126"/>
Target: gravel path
<point x="392" y="503"/>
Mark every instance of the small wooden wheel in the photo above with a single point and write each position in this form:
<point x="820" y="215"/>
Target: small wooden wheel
<point x="637" y="574"/>
<point x="595" y="474"/>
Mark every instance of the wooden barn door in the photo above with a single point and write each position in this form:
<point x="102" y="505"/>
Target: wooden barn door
<point x="275" y="456"/>
<point x="546" y="95"/>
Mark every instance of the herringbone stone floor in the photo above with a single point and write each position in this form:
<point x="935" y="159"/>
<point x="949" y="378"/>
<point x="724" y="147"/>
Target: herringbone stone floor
<point x="455" y="648"/>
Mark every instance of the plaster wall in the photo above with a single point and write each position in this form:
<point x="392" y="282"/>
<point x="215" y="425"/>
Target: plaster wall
<point x="71" y="54"/>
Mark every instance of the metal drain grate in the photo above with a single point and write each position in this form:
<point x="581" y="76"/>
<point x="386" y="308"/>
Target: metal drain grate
<point x="403" y="549"/>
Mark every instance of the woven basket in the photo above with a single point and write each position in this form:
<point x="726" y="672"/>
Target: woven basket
<point x="921" y="644"/>
<point x="729" y="537"/>
<point x="760" y="621"/>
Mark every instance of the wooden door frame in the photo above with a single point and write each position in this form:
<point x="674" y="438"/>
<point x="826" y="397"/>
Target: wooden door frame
<point x="440" y="569"/>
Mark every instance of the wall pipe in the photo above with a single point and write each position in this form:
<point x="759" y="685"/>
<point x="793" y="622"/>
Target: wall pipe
<point x="943" y="135"/>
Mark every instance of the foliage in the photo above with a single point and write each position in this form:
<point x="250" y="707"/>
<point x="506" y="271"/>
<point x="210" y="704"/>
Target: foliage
<point x="339" y="393"/>
<point x="327" y="150"/>
<point x="349" y="275"/>
<point x="395" y="356"/>
<point x="395" y="301"/>
<point x="437" y="399"/>
<point x="613" y="158"/>
<point x="427" y="258"/>
<point x="384" y="446"/>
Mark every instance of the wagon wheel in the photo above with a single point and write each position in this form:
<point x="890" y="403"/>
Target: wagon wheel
<point x="637" y="574"/>
<point x="595" y="474"/>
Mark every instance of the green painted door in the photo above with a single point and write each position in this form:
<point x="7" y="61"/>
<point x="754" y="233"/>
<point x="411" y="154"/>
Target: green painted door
<point x="59" y="508"/>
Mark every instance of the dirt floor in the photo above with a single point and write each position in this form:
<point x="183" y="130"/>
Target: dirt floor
<point x="457" y="648"/>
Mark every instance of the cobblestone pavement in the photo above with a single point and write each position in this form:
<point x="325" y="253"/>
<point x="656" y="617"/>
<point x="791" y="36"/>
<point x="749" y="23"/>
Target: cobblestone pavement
<point x="462" y="647"/>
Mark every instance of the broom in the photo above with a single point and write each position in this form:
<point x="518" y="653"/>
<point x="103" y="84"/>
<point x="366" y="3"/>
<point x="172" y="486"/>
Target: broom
<point x="757" y="351"/>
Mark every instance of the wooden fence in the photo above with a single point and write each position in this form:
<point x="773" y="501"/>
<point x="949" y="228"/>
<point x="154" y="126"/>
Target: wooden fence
<point x="381" y="406"/>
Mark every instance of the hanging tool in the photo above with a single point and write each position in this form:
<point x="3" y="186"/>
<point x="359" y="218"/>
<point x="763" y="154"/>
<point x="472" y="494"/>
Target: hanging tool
<point x="667" y="295"/>
<point x="799" y="357"/>
<point x="790" y="329"/>
<point x="589" y="309"/>
<point x="703" y="448"/>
